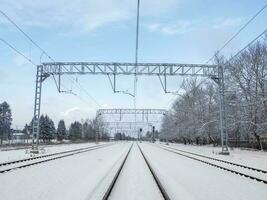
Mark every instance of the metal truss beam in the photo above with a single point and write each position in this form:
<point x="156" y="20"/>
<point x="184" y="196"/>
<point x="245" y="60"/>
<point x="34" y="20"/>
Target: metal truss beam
<point x="118" y="68"/>
<point x="121" y="111"/>
<point x="128" y="124"/>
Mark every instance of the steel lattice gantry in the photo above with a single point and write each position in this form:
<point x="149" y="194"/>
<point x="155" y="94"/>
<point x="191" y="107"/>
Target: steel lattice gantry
<point x="121" y="111"/>
<point x="131" y="111"/>
<point x="162" y="70"/>
<point x="115" y="68"/>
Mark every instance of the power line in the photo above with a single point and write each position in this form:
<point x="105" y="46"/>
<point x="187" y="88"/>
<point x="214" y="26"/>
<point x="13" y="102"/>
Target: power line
<point x="41" y="49"/>
<point x="239" y="31"/>
<point x="240" y="51"/>
<point x="28" y="59"/>
<point x="26" y="35"/>
<point x="249" y="44"/>
<point x="234" y="36"/>
<point x="17" y="51"/>
<point x="91" y="97"/>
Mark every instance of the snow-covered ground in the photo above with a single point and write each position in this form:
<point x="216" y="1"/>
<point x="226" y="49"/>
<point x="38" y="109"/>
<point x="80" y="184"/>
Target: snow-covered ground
<point x="12" y="155"/>
<point x="82" y="176"/>
<point x="136" y="180"/>
<point x="188" y="179"/>
<point x="256" y="159"/>
<point x="87" y="176"/>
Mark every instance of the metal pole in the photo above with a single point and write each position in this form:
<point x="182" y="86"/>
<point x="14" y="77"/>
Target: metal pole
<point x="224" y="136"/>
<point x="37" y="107"/>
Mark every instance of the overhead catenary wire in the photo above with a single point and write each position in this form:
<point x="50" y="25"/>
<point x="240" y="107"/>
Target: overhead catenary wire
<point x="248" y="45"/>
<point x="32" y="62"/>
<point x="21" y="54"/>
<point x="26" y="35"/>
<point x="17" y="51"/>
<point x="233" y="37"/>
<point x="43" y="52"/>
<point x="238" y="32"/>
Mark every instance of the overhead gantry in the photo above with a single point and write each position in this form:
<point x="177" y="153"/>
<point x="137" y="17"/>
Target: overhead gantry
<point x="113" y="69"/>
<point x="122" y="111"/>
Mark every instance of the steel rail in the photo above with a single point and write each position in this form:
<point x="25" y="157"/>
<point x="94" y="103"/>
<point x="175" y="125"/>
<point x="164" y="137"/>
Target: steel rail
<point x="159" y="184"/>
<point x="115" y="178"/>
<point x="65" y="154"/>
<point x="217" y="166"/>
<point x="219" y="160"/>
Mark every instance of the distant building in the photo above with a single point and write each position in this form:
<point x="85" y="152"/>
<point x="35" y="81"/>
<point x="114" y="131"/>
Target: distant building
<point x="19" y="136"/>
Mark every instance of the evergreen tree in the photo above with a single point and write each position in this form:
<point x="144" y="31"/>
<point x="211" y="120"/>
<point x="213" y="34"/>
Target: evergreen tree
<point x="89" y="132"/>
<point x="5" y="121"/>
<point x="47" y="128"/>
<point x="75" y="131"/>
<point x="61" y="130"/>
<point x="27" y="130"/>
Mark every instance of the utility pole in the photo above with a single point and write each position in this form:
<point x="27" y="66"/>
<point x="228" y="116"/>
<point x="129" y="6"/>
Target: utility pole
<point x="97" y="127"/>
<point x="139" y="135"/>
<point x="153" y="134"/>
<point x="82" y="121"/>
<point x="224" y="135"/>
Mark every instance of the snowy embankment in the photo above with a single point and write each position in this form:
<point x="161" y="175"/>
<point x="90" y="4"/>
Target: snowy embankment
<point x="256" y="159"/>
<point x="188" y="179"/>
<point x="6" y="156"/>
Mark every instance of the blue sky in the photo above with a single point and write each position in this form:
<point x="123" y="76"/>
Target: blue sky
<point x="182" y="31"/>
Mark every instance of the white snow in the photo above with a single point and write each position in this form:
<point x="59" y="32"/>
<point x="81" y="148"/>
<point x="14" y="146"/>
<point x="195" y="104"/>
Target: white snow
<point x="77" y="177"/>
<point x="87" y="176"/>
<point x="188" y="179"/>
<point x="6" y="156"/>
<point x="256" y="159"/>
<point x="136" y="180"/>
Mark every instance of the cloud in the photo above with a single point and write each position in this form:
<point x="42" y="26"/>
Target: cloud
<point x="2" y="77"/>
<point x="180" y="27"/>
<point x="20" y="60"/>
<point x="80" y="15"/>
<point x="70" y="111"/>
<point x="186" y="26"/>
<point x="74" y="113"/>
<point x="229" y="22"/>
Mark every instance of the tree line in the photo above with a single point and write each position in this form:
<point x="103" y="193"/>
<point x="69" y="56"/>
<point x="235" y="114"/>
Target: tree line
<point x="194" y="115"/>
<point x="89" y="130"/>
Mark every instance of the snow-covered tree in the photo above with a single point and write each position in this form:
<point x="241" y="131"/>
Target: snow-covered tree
<point x="194" y="116"/>
<point x="5" y="121"/>
<point x="47" y="128"/>
<point x="61" y="130"/>
<point x="75" y="131"/>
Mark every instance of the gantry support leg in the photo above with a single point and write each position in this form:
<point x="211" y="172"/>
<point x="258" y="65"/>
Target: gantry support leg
<point x="224" y="135"/>
<point x="40" y="77"/>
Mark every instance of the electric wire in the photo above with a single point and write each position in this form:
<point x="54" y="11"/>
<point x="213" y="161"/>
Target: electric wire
<point x="29" y="60"/>
<point x="232" y="38"/>
<point x="239" y="31"/>
<point x="43" y="52"/>
<point x="17" y="51"/>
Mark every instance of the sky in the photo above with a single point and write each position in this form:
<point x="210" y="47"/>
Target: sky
<point x="178" y="31"/>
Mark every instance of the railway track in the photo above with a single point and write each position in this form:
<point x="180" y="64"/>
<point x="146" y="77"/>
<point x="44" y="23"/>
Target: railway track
<point x="242" y="170"/>
<point x="114" y="180"/>
<point x="159" y="184"/>
<point x="22" y="163"/>
<point x="219" y="160"/>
